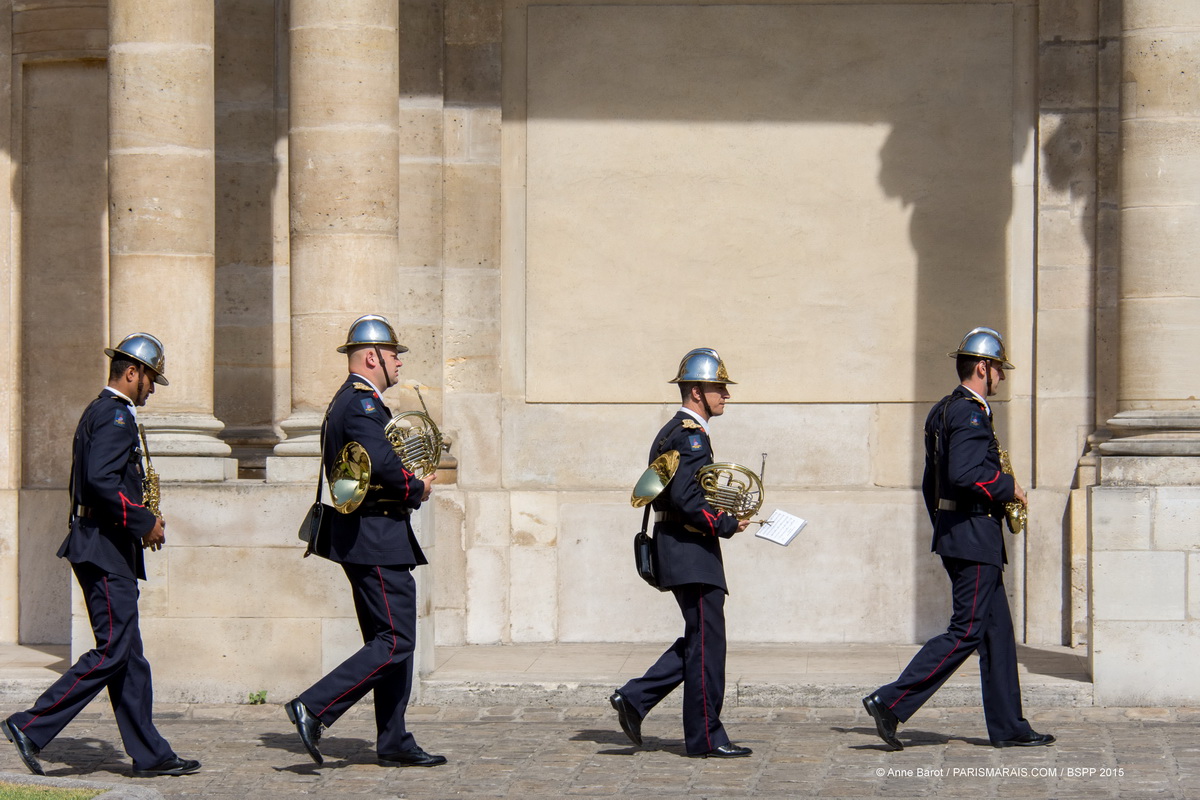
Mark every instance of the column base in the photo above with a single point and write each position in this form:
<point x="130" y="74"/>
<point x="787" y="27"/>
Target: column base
<point x="185" y="447"/>
<point x="1153" y="433"/>
<point x="297" y="459"/>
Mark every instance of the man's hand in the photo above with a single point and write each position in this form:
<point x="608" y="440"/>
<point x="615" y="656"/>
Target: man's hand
<point x="428" y="481"/>
<point x="743" y="524"/>
<point x="155" y="539"/>
<point x="1019" y="494"/>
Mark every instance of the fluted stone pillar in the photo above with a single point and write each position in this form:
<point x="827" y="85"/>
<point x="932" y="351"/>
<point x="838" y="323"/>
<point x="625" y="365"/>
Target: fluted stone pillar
<point x="161" y="218"/>
<point x="1158" y="409"/>
<point x="343" y="152"/>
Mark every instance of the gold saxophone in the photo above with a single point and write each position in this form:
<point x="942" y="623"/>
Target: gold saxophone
<point x="1015" y="512"/>
<point x="150" y="491"/>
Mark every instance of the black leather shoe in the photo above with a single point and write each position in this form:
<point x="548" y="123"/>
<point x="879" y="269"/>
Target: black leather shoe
<point x="26" y="749"/>
<point x="729" y="750"/>
<point x="885" y="721"/>
<point x="308" y="726"/>
<point x="410" y="758"/>
<point x="631" y="721"/>
<point x="1031" y="739"/>
<point x="172" y="766"/>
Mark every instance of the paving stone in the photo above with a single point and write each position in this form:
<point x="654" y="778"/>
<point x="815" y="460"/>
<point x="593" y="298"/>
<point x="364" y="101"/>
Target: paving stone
<point x="531" y="753"/>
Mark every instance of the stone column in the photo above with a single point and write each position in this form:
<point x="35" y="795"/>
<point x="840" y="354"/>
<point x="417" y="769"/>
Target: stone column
<point x="1158" y="410"/>
<point x="343" y="152"/>
<point x="161" y="217"/>
<point x="1144" y="554"/>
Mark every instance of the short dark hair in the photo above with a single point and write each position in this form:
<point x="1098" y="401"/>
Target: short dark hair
<point x="117" y="367"/>
<point x="685" y="390"/>
<point x="966" y="365"/>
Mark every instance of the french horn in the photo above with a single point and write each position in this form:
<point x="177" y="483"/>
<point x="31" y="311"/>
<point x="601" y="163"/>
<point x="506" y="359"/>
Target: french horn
<point x="731" y="488"/>
<point x="350" y="478"/>
<point x="655" y="478"/>
<point x="727" y="487"/>
<point x="414" y="438"/>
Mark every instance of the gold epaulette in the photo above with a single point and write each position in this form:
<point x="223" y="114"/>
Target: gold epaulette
<point x="363" y="387"/>
<point x="691" y="424"/>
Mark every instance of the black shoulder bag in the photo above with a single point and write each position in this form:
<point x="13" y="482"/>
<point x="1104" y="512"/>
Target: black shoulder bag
<point x="645" y="558"/>
<point x="317" y="524"/>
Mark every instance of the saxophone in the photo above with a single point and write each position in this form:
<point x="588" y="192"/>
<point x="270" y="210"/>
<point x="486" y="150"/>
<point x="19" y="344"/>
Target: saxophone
<point x="150" y="492"/>
<point x="1015" y="512"/>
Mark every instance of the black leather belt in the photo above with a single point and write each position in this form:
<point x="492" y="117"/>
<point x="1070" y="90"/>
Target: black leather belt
<point x="83" y="512"/>
<point x="987" y="509"/>
<point x="383" y="509"/>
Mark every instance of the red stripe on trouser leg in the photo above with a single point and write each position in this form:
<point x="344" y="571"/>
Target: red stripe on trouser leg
<point x="970" y="626"/>
<point x="391" y="627"/>
<point x="108" y="606"/>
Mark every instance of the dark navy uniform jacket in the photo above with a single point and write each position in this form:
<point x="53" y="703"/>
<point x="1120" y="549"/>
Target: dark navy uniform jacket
<point x="688" y="556"/>
<point x="106" y="479"/>
<point x="970" y="476"/>
<point x="379" y="532"/>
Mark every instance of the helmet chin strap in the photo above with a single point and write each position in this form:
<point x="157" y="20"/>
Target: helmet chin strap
<point x="987" y="367"/>
<point x="387" y="379"/>
<point x="704" y="401"/>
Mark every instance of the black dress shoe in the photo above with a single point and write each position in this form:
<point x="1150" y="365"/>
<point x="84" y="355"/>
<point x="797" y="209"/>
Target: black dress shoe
<point x="885" y="721"/>
<point x="1031" y="739"/>
<point x="26" y="749"/>
<point x="631" y="721"/>
<point x="728" y="750"/>
<point x="308" y="726"/>
<point x="172" y="766"/>
<point x="410" y="758"/>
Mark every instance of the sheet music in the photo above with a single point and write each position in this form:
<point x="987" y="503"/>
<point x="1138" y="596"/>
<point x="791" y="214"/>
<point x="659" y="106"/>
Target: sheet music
<point x="781" y="527"/>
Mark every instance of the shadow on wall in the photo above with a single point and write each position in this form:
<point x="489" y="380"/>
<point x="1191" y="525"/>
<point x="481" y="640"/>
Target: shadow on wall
<point x="844" y="173"/>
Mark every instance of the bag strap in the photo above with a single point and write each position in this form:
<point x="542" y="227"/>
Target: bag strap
<point x="646" y="518"/>
<point x="324" y="425"/>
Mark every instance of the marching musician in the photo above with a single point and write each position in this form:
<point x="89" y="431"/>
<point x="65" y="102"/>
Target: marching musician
<point x="110" y="526"/>
<point x="377" y="549"/>
<point x="687" y="536"/>
<point x="965" y="491"/>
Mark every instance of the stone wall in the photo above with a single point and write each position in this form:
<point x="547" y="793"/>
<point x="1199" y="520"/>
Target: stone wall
<point x="570" y="196"/>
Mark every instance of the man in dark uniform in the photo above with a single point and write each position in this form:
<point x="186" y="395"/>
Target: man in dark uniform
<point x="377" y="549"/>
<point x="687" y="535"/>
<point x="109" y="528"/>
<point x="965" y="493"/>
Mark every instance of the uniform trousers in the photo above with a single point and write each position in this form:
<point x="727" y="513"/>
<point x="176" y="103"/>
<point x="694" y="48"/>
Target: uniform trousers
<point x="981" y="622"/>
<point x="385" y="600"/>
<point x="116" y="662"/>
<point x="697" y="660"/>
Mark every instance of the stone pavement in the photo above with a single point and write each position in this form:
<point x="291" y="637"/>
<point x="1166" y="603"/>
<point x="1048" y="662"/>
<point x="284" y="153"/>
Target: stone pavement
<point x="251" y="752"/>
<point x="531" y="722"/>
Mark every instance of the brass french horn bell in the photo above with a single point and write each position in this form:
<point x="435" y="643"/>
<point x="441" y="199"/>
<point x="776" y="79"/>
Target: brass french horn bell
<point x="350" y="477"/>
<point x="655" y="478"/>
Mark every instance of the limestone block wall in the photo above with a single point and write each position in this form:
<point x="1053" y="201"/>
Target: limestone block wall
<point x="1145" y="581"/>
<point x="230" y="605"/>
<point x="811" y="188"/>
<point x="56" y="146"/>
<point x="816" y="245"/>
<point x="1077" y="257"/>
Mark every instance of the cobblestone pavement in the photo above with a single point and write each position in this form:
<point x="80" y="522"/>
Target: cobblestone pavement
<point x="252" y="753"/>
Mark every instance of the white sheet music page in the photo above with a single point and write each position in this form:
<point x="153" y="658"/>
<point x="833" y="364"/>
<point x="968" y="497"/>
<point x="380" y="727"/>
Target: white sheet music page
<point x="780" y="528"/>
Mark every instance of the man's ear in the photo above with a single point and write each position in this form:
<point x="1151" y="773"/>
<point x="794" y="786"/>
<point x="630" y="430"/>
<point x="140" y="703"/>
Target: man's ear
<point x="131" y="374"/>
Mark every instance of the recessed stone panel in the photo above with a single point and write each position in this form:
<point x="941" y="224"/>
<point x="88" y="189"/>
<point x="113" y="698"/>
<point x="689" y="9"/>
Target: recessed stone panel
<point x="812" y="189"/>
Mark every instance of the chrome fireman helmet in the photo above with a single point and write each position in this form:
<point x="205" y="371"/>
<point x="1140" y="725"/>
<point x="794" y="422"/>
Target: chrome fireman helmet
<point x="371" y="329"/>
<point x="702" y="365"/>
<point x="983" y="343"/>
<point x="144" y="349"/>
